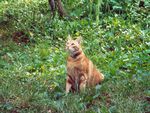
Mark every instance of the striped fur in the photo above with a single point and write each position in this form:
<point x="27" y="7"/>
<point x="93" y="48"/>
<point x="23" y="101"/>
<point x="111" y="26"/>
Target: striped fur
<point x="81" y="72"/>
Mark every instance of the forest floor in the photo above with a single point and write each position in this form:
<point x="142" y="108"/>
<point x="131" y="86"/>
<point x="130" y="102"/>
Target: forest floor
<point x="33" y="62"/>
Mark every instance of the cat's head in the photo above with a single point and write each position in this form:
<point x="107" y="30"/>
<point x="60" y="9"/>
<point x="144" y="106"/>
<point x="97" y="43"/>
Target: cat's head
<point x="73" y="46"/>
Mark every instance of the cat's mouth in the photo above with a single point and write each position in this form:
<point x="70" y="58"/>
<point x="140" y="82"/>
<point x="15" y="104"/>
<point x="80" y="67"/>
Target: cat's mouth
<point x="75" y="54"/>
<point x="75" y="51"/>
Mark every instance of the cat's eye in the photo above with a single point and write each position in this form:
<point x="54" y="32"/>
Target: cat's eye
<point x="72" y="44"/>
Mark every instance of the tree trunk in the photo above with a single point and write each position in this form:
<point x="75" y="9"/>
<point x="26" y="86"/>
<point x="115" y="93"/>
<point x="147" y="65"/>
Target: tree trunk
<point x="52" y="6"/>
<point x="56" y="4"/>
<point x="60" y="9"/>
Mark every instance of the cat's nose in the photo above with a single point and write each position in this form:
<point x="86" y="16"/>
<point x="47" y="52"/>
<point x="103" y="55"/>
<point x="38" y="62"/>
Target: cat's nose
<point x="76" y="48"/>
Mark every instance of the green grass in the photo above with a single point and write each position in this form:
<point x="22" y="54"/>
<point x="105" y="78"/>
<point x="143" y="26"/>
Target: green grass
<point x="32" y="76"/>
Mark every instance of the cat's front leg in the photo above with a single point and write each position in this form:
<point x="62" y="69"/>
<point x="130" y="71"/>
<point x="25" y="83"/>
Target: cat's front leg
<point x="83" y="81"/>
<point x="82" y="86"/>
<point x="68" y="85"/>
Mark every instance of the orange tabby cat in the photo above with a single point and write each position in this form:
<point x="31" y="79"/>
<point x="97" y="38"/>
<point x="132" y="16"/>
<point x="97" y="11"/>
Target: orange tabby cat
<point x="81" y="72"/>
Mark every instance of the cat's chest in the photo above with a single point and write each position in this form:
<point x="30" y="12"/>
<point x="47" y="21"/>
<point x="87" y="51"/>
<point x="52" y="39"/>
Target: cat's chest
<point x="74" y="69"/>
<point x="71" y="65"/>
<point x="77" y="66"/>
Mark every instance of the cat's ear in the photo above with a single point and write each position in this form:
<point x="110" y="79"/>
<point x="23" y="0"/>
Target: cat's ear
<point x="69" y="37"/>
<point x="79" y="39"/>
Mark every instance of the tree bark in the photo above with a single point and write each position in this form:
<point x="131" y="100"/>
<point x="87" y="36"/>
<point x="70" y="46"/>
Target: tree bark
<point x="60" y="9"/>
<point x="52" y="6"/>
<point x="56" y="4"/>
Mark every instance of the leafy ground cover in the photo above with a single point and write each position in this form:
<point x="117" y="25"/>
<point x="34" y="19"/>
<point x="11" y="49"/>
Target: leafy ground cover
<point x="32" y="76"/>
